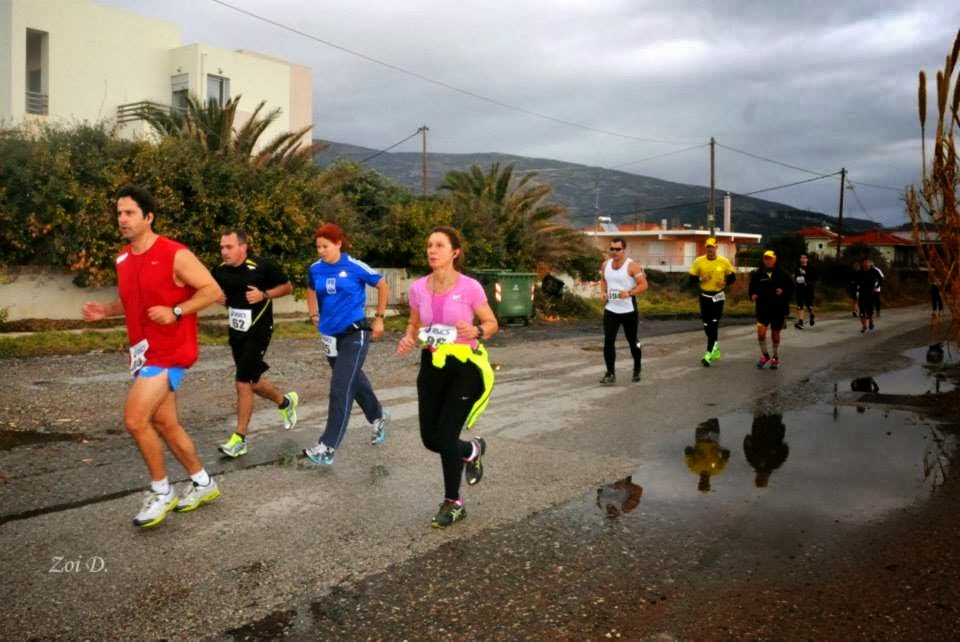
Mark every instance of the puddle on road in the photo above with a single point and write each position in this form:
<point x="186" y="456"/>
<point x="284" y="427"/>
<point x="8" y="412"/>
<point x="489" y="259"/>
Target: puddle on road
<point x="834" y="463"/>
<point x="925" y="375"/>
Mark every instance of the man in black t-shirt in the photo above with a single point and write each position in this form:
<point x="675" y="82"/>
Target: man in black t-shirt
<point x="249" y="284"/>
<point x="804" y="278"/>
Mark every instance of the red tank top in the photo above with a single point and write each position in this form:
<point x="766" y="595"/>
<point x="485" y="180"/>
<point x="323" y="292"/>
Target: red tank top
<point x="145" y="280"/>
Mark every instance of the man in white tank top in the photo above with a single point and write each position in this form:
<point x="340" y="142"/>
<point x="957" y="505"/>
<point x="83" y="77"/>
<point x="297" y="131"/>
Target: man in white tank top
<point x="620" y="281"/>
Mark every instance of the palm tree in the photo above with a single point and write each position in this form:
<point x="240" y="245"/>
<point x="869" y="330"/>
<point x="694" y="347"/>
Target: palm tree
<point x="213" y="126"/>
<point x="508" y="221"/>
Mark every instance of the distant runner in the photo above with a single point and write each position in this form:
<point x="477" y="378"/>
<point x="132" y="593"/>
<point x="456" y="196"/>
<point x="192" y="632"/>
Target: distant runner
<point x="804" y="278"/>
<point x="620" y="281"/>
<point x="769" y="289"/>
<point x="712" y="274"/>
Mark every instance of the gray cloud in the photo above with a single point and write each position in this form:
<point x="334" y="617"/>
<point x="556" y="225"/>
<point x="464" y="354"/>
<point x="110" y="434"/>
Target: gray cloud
<point x="815" y="85"/>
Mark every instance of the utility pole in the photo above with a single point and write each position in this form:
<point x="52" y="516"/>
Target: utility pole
<point x="712" y="212"/>
<point x="843" y="176"/>
<point x="423" y="160"/>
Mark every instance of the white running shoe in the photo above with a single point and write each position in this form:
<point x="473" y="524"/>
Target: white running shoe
<point x="197" y="495"/>
<point x="155" y="508"/>
<point x="380" y="429"/>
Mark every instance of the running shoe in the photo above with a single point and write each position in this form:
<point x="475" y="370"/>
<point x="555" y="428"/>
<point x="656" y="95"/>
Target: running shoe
<point x="155" y="508"/>
<point x="707" y="356"/>
<point x="234" y="447"/>
<point x="450" y="512"/>
<point x="636" y="377"/>
<point x="198" y="495"/>
<point x="871" y="326"/>
<point x="774" y="363"/>
<point x="764" y="360"/>
<point x="380" y="429"/>
<point x="289" y="414"/>
<point x="799" y="324"/>
<point x="715" y="353"/>
<point x="609" y="378"/>
<point x="863" y="330"/>
<point x="319" y="455"/>
<point x="812" y="321"/>
<point x="474" y="467"/>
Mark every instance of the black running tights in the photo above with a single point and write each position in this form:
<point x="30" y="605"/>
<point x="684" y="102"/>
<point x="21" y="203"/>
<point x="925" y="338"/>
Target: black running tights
<point x="711" y="311"/>
<point x="611" y="324"/>
<point x="445" y="397"/>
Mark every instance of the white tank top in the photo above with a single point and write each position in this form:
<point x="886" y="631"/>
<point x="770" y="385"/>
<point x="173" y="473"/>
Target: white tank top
<point x="618" y="281"/>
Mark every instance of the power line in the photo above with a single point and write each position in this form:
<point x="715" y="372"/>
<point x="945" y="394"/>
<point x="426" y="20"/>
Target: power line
<point x="704" y="202"/>
<point x="650" y="158"/>
<point x="384" y="151"/>
<point x="440" y="83"/>
<point x="776" y="187"/>
<point x="886" y="187"/>
<point x="860" y="203"/>
<point x="770" y="160"/>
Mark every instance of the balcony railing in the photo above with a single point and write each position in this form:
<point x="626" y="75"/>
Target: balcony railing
<point x="37" y="103"/>
<point x="131" y="112"/>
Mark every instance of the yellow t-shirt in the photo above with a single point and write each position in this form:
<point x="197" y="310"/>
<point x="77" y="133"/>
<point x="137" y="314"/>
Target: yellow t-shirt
<point x="716" y="272"/>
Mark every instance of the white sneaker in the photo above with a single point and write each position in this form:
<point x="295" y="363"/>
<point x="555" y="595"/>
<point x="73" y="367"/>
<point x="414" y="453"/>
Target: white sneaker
<point x="155" y="508"/>
<point x="197" y="495"/>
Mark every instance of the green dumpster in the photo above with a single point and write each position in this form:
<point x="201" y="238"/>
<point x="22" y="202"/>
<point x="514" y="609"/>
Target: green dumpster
<point x="509" y="293"/>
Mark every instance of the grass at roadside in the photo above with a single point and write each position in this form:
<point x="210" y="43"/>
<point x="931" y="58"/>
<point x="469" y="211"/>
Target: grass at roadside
<point x="45" y="343"/>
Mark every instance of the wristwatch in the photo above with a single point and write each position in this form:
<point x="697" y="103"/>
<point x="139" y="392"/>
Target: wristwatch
<point x="177" y="312"/>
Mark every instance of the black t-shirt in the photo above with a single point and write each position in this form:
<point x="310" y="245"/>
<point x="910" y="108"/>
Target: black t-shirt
<point x="259" y="272"/>
<point x="805" y="276"/>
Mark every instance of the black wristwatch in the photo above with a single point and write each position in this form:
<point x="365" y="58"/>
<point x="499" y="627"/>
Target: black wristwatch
<point x="177" y="312"/>
<point x="479" y="332"/>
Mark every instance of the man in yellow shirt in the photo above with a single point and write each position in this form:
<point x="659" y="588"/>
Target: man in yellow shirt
<point x="712" y="273"/>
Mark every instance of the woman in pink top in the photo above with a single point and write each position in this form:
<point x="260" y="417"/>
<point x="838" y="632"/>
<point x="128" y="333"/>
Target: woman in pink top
<point x="449" y="315"/>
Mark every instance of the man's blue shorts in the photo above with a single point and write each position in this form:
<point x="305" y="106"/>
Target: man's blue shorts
<point x="174" y="375"/>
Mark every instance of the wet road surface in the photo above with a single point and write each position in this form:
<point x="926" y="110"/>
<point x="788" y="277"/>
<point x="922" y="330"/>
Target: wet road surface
<point x="588" y="525"/>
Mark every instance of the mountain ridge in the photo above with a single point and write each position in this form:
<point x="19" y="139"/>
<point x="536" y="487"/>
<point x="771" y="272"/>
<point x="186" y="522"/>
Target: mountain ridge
<point x="588" y="192"/>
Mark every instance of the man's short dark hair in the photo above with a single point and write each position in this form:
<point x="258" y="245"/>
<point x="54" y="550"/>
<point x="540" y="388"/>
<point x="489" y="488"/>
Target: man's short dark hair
<point x="241" y="235"/>
<point x="143" y="199"/>
<point x="619" y="239"/>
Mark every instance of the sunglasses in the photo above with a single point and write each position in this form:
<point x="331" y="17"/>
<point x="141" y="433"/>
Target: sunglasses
<point x="616" y="249"/>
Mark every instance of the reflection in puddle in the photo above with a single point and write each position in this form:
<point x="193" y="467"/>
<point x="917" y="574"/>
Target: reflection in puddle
<point x="764" y="447"/>
<point x="706" y="458"/>
<point x="842" y="465"/>
<point x="622" y="496"/>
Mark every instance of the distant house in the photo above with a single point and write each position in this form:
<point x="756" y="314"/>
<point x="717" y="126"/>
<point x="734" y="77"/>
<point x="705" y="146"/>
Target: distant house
<point x="820" y="241"/>
<point x="896" y="249"/>
<point x="80" y="61"/>
<point x="664" y="249"/>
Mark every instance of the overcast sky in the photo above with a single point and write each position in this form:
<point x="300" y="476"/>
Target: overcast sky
<point x="625" y="84"/>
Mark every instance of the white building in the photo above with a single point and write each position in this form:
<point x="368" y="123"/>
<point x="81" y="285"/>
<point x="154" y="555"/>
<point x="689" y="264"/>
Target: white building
<point x="70" y="61"/>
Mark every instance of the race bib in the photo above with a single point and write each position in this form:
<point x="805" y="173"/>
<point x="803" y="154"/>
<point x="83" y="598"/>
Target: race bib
<point x="437" y="335"/>
<point x="801" y="280"/>
<point x="613" y="295"/>
<point x="718" y="297"/>
<point x="138" y="356"/>
<point x="240" y="319"/>
<point x="329" y="345"/>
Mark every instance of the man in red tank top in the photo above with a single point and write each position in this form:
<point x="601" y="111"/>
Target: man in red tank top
<point x="162" y="286"/>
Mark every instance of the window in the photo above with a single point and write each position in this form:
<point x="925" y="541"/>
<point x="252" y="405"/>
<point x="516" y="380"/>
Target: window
<point x="37" y="76"/>
<point x="179" y="90"/>
<point x="218" y="89"/>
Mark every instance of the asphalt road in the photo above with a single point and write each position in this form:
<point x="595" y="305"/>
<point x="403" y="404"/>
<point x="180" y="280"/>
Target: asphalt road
<point x="348" y="552"/>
